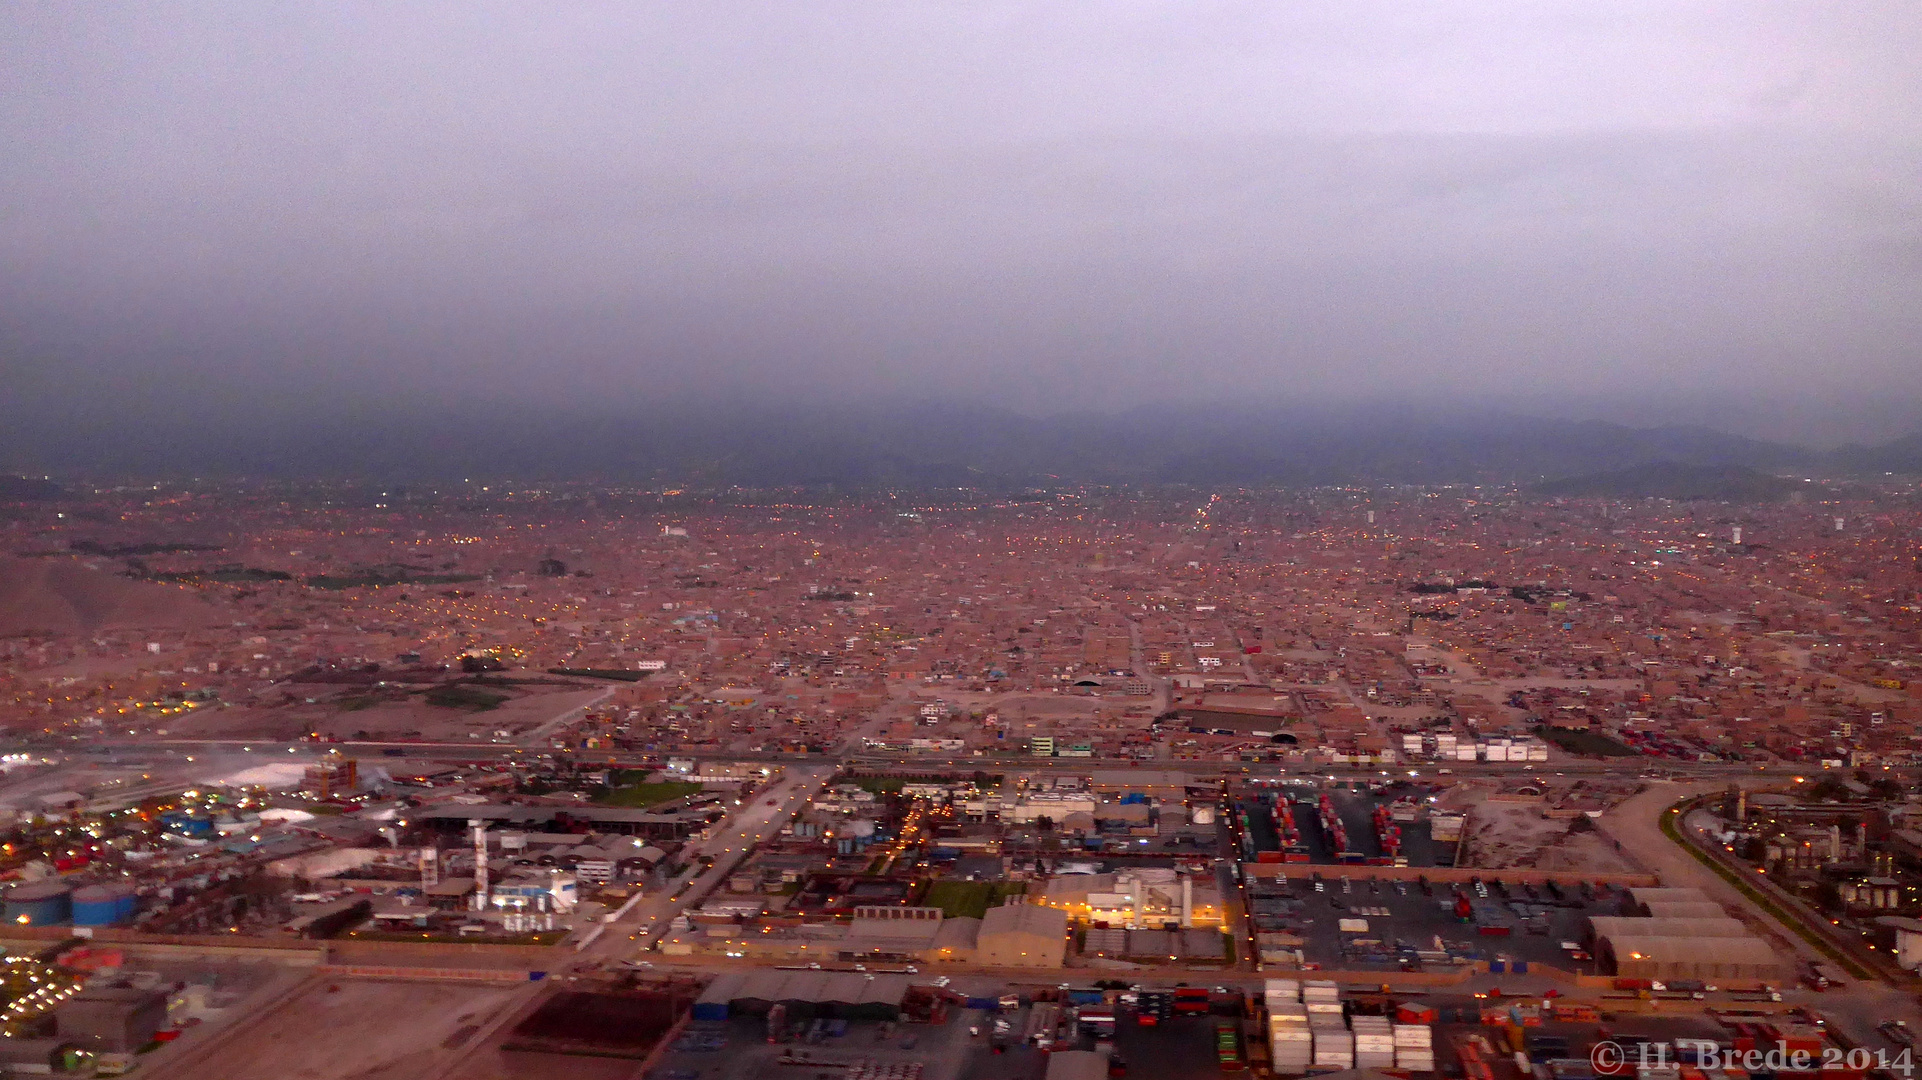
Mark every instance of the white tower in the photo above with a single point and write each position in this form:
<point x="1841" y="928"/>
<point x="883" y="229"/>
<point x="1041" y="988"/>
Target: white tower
<point x="429" y="868"/>
<point x="1371" y="517"/>
<point x="480" y="863"/>
<point x="1839" y="523"/>
<point x="1737" y="538"/>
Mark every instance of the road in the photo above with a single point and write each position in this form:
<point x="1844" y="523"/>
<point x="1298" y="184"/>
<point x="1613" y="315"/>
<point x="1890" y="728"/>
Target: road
<point x="754" y="824"/>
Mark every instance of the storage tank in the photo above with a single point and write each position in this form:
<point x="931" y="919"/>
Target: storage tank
<point x="40" y="903"/>
<point x="102" y="905"/>
<point x="859" y="828"/>
<point x="1204" y="814"/>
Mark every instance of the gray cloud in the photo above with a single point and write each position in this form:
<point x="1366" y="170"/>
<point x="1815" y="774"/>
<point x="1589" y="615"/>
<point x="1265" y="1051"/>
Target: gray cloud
<point x="252" y="205"/>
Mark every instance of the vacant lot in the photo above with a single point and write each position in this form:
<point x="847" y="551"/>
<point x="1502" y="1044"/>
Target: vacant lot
<point x="365" y="1030"/>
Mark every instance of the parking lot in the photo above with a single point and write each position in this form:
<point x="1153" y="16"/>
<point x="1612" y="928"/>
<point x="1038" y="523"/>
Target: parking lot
<point x="1393" y="924"/>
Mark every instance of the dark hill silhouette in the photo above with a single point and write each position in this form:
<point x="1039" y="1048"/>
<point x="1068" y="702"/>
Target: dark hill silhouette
<point x="1675" y="480"/>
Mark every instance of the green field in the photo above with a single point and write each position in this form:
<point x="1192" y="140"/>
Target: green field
<point x="640" y="795"/>
<point x="969" y="898"/>
<point x="456" y="696"/>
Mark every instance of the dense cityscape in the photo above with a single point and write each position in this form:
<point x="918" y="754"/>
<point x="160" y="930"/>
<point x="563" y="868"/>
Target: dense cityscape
<point x="1319" y="778"/>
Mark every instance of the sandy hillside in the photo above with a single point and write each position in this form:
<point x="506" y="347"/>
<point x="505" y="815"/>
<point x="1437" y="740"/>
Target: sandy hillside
<point x="68" y="596"/>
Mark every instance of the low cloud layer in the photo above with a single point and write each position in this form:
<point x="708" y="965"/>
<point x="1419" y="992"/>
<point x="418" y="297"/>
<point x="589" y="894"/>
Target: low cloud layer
<point x="283" y="209"/>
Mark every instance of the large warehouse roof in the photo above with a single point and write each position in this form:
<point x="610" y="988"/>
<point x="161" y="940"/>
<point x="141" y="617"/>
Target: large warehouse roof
<point x="1684" y="909"/>
<point x="1024" y="918"/>
<point x="819" y="988"/>
<point x="1694" y="958"/>
<point x="1720" y="926"/>
<point x="725" y="988"/>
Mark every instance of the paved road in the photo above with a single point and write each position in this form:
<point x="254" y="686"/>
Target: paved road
<point x="741" y="832"/>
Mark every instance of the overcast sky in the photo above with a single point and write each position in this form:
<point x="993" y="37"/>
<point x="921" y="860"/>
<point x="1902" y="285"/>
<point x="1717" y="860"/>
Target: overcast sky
<point x="268" y="206"/>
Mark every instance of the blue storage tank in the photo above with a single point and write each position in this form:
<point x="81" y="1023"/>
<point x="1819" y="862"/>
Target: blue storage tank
<point x="39" y="903"/>
<point x="102" y="905"/>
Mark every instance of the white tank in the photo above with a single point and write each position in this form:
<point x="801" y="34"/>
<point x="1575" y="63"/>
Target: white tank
<point x="1204" y="815"/>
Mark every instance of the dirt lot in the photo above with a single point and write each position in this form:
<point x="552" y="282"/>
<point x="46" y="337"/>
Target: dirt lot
<point x="1507" y="835"/>
<point x="366" y="1030"/>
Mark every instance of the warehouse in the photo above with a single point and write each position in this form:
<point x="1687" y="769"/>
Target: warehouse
<point x="1603" y="926"/>
<point x="1747" y="960"/>
<point x="1022" y="935"/>
<point x="1637" y="901"/>
<point x="713" y="1002"/>
<point x="1683" y="909"/>
<point x="112" y="1019"/>
<point x="807" y="995"/>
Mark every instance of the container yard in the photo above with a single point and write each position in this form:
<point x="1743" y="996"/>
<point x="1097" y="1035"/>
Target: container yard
<point x="1338" y="826"/>
<point x="1364" y="923"/>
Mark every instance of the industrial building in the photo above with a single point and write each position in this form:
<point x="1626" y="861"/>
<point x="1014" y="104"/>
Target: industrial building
<point x="1708" y="947"/>
<point x="836" y="995"/>
<point x="1023" y="935"/>
<point x="112" y="1019"/>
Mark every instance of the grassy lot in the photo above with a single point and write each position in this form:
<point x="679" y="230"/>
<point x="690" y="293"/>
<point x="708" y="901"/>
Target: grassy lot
<point x="879" y="785"/>
<point x="640" y="795"/>
<point x="457" y="696"/>
<point x="1585" y="742"/>
<point x="969" y="898"/>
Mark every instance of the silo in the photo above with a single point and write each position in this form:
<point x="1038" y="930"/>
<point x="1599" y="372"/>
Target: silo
<point x="39" y="903"/>
<point x="1204" y="814"/>
<point x="102" y="905"/>
<point x="859" y="828"/>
